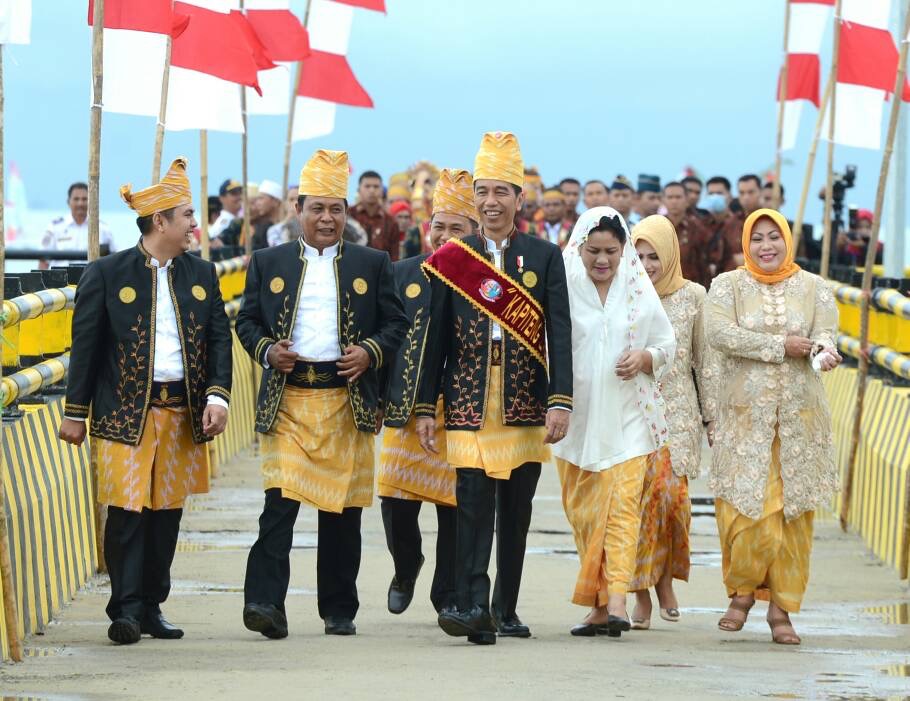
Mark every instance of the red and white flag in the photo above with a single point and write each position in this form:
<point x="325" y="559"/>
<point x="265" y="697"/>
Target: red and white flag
<point x="808" y="21"/>
<point x="326" y="78"/>
<point x="286" y="42"/>
<point x="866" y="71"/>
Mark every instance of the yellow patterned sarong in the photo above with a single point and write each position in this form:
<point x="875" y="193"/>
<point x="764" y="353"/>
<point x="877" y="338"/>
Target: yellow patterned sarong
<point x="768" y="557"/>
<point x="407" y="471"/>
<point x="496" y="448"/>
<point x="604" y="511"/>
<point x="666" y="512"/>
<point x="316" y="455"/>
<point x="158" y="473"/>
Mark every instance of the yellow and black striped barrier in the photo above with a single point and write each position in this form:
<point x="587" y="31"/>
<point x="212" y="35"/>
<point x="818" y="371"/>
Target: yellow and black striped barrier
<point x="881" y="480"/>
<point x="50" y="517"/>
<point x="887" y="358"/>
<point x="36" y="326"/>
<point x="889" y="315"/>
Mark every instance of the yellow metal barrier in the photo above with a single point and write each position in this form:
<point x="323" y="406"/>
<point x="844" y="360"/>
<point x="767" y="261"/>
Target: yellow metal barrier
<point x="882" y="356"/>
<point x="889" y="315"/>
<point x="880" y="481"/>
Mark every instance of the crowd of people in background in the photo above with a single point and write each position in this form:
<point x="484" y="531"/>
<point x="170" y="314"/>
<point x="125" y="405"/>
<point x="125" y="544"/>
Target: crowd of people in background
<point x="394" y="217"/>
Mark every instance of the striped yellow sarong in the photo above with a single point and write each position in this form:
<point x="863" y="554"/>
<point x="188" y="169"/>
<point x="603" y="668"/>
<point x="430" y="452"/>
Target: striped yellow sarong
<point x="768" y="557"/>
<point x="158" y="473"/>
<point x="407" y="471"/>
<point x="315" y="454"/>
<point x="496" y="448"/>
<point x="603" y="509"/>
<point x="666" y="512"/>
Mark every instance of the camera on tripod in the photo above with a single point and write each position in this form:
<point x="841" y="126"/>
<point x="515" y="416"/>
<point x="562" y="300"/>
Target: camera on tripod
<point x="840" y="184"/>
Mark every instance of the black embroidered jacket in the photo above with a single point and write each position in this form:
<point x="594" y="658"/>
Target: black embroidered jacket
<point x="404" y="369"/>
<point x="369" y="315"/>
<point x="458" y="351"/>
<point x="112" y="357"/>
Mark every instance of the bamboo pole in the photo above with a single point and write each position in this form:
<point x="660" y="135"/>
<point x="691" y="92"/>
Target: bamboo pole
<point x="867" y="279"/>
<point x="292" y="108"/>
<point x="204" y="187"/>
<point x="10" y="612"/>
<point x="94" y="175"/>
<point x="782" y="99"/>
<point x="162" y="112"/>
<point x="810" y="165"/>
<point x="829" y="186"/>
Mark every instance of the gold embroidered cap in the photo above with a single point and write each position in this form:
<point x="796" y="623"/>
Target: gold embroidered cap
<point x="454" y="194"/>
<point x="172" y="191"/>
<point x="553" y="194"/>
<point x="499" y="158"/>
<point x="325" y="174"/>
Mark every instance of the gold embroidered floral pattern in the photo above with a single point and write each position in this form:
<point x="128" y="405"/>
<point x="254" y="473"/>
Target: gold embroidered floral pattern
<point x="364" y="416"/>
<point x="761" y="391"/>
<point x="132" y="362"/>
<point x="467" y="379"/>
<point x="522" y="374"/>
<point x="195" y="370"/>
<point x="411" y="352"/>
<point x="265" y="415"/>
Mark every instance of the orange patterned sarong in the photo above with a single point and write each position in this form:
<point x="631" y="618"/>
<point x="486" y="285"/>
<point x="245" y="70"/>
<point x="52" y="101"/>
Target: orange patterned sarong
<point x="158" y="473"/>
<point x="496" y="448"/>
<point x="315" y="454"/>
<point x="666" y="512"/>
<point x="407" y="471"/>
<point x="603" y="509"/>
<point x="768" y="557"/>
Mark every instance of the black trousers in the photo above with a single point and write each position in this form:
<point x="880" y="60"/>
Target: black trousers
<point x="483" y="502"/>
<point x="402" y="535"/>
<point x="139" y="548"/>
<point x="268" y="567"/>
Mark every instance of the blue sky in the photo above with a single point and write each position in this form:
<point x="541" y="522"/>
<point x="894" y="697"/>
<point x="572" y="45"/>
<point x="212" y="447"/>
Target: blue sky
<point x="592" y="88"/>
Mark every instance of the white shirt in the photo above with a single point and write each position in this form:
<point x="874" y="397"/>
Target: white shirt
<point x="315" y="333"/>
<point x="64" y="234"/>
<point x="497" y="261"/>
<point x="553" y="231"/>
<point x="221" y="223"/>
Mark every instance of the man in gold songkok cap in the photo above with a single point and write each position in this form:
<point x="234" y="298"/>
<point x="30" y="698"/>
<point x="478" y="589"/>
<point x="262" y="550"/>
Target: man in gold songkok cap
<point x="150" y="367"/>
<point x="555" y="227"/>
<point x="499" y="344"/>
<point x="409" y="476"/>
<point x="323" y="319"/>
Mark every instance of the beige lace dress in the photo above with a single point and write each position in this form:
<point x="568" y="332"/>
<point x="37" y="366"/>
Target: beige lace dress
<point x="762" y="393"/>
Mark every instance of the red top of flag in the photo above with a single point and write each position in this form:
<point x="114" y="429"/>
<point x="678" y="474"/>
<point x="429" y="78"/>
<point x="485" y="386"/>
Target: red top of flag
<point x="281" y="33"/>
<point x="868" y="56"/>
<point x="155" y="16"/>
<point x="220" y="44"/>
<point x="329" y="77"/>
<point x="378" y="5"/>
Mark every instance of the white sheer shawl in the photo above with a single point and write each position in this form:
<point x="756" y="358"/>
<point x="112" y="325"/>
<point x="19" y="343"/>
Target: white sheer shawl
<point x="613" y="420"/>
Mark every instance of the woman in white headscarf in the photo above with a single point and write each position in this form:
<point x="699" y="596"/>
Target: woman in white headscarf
<point x="622" y="342"/>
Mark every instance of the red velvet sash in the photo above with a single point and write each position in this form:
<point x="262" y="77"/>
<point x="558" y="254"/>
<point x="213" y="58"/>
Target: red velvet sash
<point x="492" y="292"/>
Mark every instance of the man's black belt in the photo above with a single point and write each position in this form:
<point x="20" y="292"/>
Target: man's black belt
<point x="169" y="394"/>
<point x="314" y="374"/>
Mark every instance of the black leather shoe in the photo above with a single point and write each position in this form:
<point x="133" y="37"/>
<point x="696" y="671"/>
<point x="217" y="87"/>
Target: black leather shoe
<point x="511" y="627"/>
<point x="266" y="619"/>
<point x="584" y="630"/>
<point x="124" y="631"/>
<point x="401" y="592"/>
<point x="154" y="624"/>
<point x="616" y="626"/>
<point x="339" y="626"/>
<point x="476" y="625"/>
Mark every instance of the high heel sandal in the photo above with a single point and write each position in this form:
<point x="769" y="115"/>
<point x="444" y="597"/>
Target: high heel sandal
<point x="786" y="638"/>
<point x="731" y="625"/>
<point x="670" y="614"/>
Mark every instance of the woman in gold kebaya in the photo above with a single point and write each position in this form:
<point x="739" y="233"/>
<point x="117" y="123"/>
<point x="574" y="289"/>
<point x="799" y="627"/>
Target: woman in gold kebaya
<point x="663" y="545"/>
<point x="773" y="465"/>
<point x="622" y="341"/>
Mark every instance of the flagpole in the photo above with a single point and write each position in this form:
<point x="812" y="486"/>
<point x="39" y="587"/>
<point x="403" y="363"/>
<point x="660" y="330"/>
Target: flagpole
<point x="94" y="175"/>
<point x="247" y="234"/>
<point x="288" y="144"/>
<point x="10" y="614"/>
<point x="782" y="98"/>
<point x="204" y="246"/>
<point x="867" y="284"/>
<point x="162" y="110"/>
<point x="810" y="165"/>
<point x="829" y="186"/>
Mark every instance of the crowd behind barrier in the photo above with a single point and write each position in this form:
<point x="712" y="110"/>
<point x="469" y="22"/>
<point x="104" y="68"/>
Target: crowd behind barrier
<point x="48" y="484"/>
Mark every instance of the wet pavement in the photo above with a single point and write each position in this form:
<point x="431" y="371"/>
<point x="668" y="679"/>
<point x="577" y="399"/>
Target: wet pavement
<point x="856" y="636"/>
